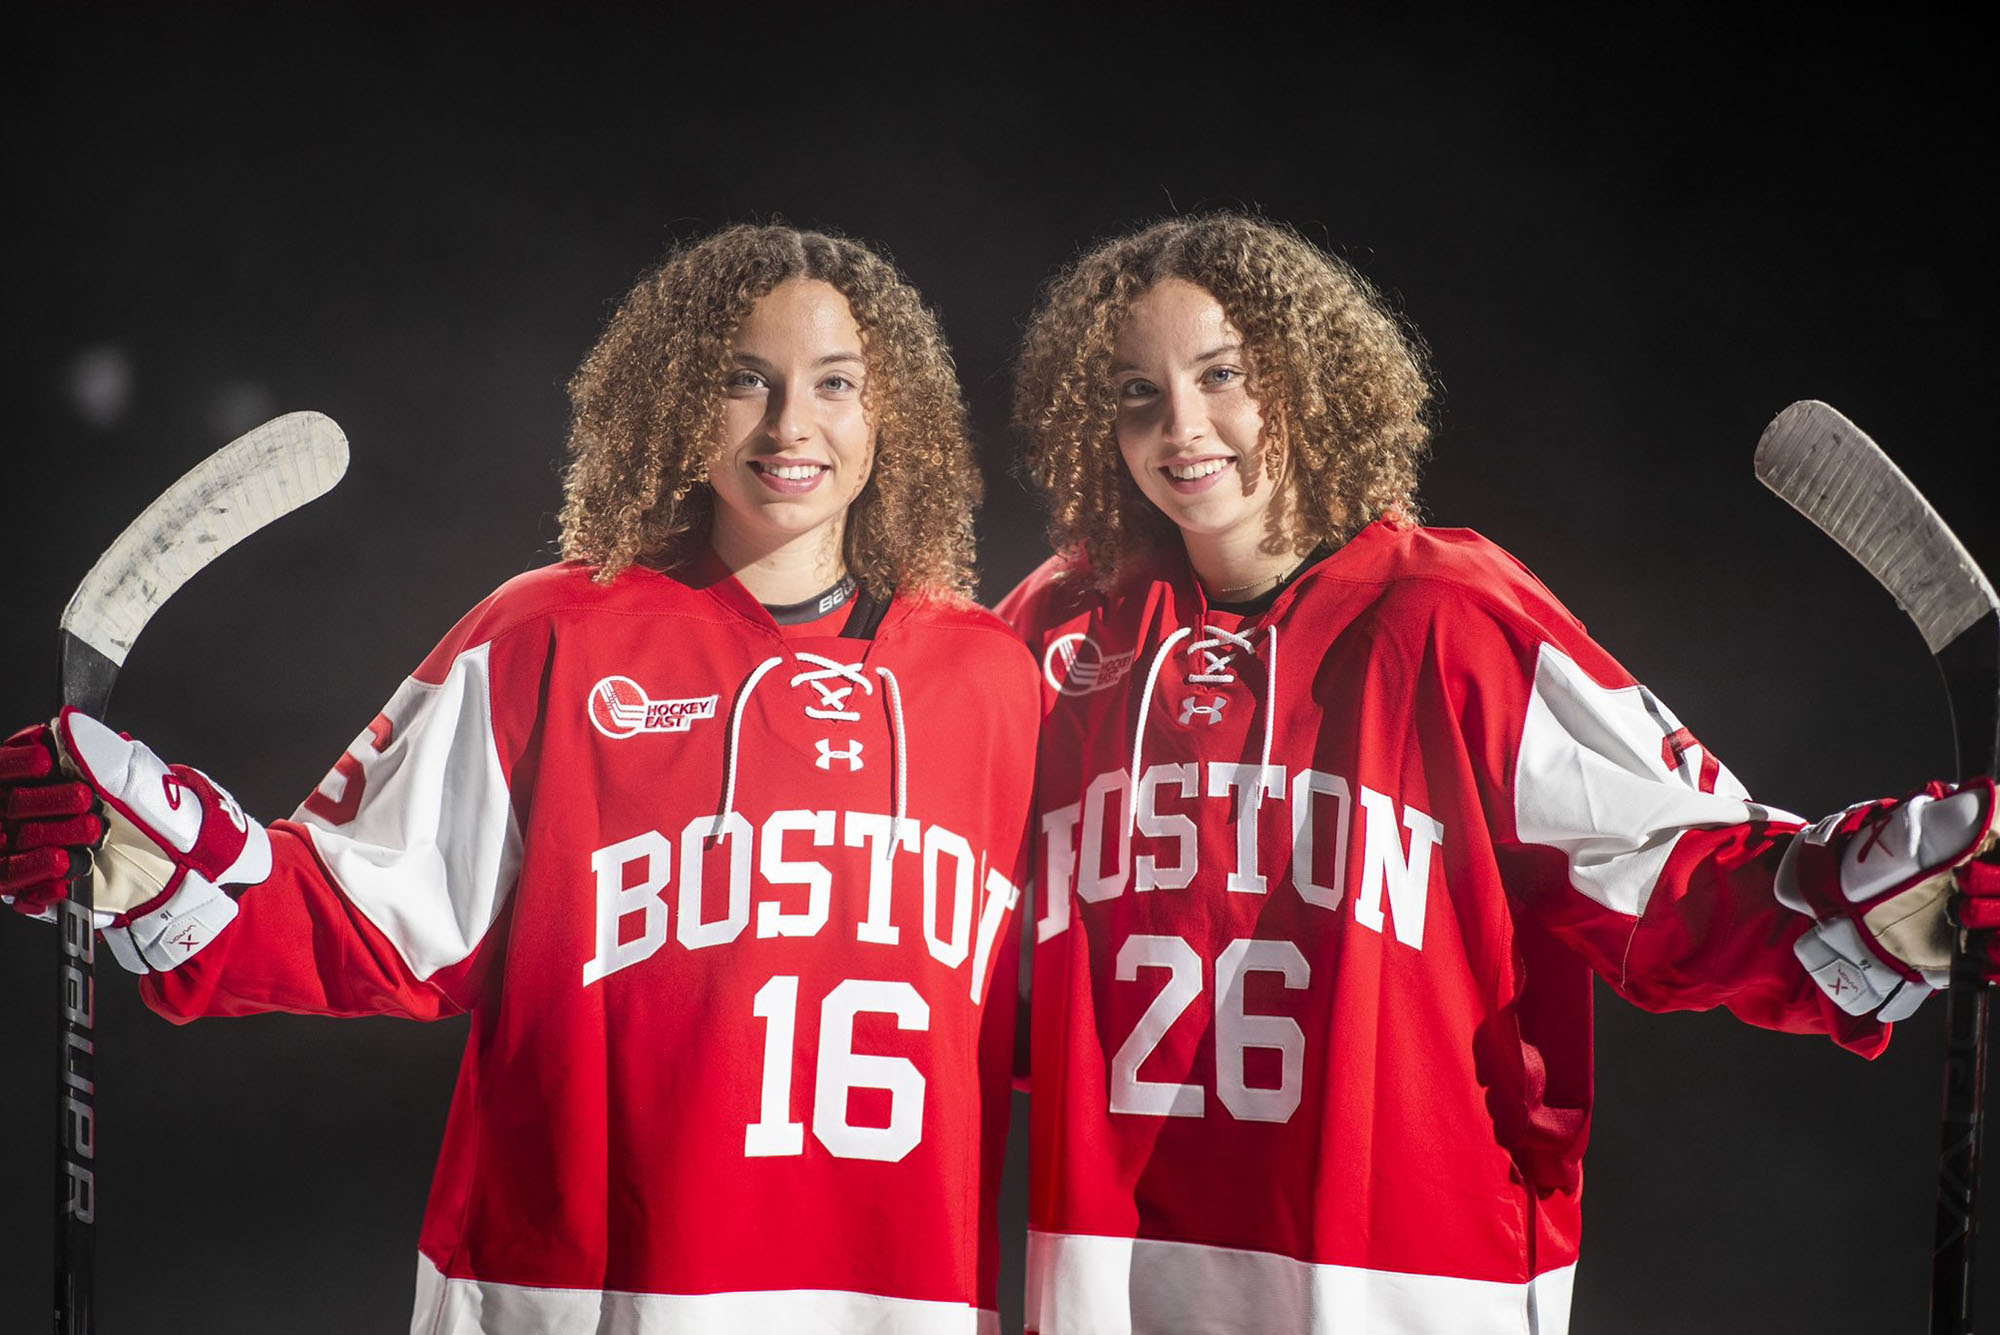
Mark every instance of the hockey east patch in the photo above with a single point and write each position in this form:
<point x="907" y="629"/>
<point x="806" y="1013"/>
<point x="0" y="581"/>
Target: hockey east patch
<point x="1075" y="664"/>
<point x="620" y="708"/>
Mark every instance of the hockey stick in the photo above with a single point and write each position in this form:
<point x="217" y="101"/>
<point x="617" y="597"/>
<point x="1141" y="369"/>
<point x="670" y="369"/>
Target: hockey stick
<point x="1827" y="469"/>
<point x="243" y="486"/>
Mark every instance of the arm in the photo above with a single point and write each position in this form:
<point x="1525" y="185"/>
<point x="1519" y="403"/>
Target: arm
<point x="384" y="895"/>
<point x="390" y="882"/>
<point x="1644" y="853"/>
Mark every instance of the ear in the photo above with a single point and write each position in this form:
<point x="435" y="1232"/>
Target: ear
<point x="868" y="468"/>
<point x="1277" y="442"/>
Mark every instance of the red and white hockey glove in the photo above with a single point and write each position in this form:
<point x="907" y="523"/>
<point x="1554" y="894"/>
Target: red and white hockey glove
<point x="171" y="840"/>
<point x="1888" y="884"/>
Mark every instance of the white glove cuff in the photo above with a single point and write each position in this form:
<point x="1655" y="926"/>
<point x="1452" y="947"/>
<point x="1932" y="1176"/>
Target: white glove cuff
<point x="1851" y="974"/>
<point x="176" y="931"/>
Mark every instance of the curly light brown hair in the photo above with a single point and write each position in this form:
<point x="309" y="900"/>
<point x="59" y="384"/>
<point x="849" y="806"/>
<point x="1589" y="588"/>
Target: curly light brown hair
<point x="1342" y="386"/>
<point x="647" y="402"/>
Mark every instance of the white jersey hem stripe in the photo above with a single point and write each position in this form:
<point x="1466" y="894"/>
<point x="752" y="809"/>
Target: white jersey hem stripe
<point x="1088" y="1285"/>
<point x="472" y="1307"/>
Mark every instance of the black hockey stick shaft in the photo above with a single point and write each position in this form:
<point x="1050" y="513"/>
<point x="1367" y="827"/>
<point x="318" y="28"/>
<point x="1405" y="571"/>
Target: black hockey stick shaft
<point x="1971" y="668"/>
<point x="87" y="679"/>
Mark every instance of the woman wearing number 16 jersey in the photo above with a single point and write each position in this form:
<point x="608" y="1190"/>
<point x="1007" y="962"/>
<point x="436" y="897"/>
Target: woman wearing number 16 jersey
<point x="1338" y="815"/>
<point x="715" y="829"/>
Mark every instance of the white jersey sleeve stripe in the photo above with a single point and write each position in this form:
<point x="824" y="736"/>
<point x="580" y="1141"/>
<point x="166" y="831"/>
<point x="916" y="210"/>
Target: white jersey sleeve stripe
<point x="1123" y="1286"/>
<point x="471" y="1307"/>
<point x="432" y="848"/>
<point x="1592" y="781"/>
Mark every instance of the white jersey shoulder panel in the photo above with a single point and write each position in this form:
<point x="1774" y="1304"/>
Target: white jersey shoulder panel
<point x="432" y="848"/>
<point x="1592" y="779"/>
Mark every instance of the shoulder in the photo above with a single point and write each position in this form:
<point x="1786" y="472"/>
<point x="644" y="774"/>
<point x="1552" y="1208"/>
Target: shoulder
<point x="573" y="587"/>
<point x="537" y="601"/>
<point x="1445" y="596"/>
<point x="971" y="635"/>
<point x="1058" y="590"/>
<point x="1450" y="571"/>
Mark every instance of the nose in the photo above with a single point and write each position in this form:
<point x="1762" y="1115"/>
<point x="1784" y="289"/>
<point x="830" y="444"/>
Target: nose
<point x="1182" y="421"/>
<point x="788" y="417"/>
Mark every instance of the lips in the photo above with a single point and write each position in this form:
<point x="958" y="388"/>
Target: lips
<point x="789" y="477"/>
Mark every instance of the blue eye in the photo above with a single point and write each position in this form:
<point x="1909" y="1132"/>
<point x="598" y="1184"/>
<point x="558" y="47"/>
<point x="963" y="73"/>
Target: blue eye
<point x="839" y="384"/>
<point x="1219" y="375"/>
<point x="1136" y="389"/>
<point x="744" y="380"/>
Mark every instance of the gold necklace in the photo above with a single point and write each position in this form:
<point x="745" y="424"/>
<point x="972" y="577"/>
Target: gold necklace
<point x="1275" y="581"/>
<point x="1224" y="591"/>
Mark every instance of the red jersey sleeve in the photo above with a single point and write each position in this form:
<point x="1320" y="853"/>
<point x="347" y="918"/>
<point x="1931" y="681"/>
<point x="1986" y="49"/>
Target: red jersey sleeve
<point x="390" y="883"/>
<point x="1625" y="836"/>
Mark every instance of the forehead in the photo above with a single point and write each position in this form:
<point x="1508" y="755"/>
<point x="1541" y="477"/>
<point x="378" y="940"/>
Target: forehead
<point x="803" y="313"/>
<point x="1174" y="315"/>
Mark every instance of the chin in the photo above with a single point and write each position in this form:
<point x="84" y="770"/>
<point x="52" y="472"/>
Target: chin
<point x="1200" y="520"/>
<point x="793" y="517"/>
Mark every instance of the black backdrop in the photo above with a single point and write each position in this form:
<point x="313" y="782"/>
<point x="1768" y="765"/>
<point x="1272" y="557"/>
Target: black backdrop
<point x="1627" y="247"/>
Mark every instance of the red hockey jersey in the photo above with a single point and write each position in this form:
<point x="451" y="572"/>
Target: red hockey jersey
<point x="726" y="908"/>
<point x="1321" y="893"/>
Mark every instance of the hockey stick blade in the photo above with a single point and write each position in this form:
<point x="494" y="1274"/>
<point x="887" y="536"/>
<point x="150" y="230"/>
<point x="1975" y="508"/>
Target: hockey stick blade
<point x="1828" y="469"/>
<point x="1832" y="473"/>
<point x="258" y="477"/>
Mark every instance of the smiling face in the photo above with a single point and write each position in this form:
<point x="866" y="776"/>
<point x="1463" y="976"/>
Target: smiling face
<point x="795" y="443"/>
<point x="1192" y="435"/>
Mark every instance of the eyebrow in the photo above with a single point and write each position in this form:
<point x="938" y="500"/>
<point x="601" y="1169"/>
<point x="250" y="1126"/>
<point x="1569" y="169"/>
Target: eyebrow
<point x="752" y="359"/>
<point x="1226" y="350"/>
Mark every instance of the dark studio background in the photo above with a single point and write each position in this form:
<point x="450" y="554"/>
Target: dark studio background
<point x="1627" y="248"/>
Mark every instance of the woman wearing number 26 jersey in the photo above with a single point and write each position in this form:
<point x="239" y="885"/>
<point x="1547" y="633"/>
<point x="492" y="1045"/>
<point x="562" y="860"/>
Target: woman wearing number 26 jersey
<point x="716" y="829"/>
<point x="1337" y="817"/>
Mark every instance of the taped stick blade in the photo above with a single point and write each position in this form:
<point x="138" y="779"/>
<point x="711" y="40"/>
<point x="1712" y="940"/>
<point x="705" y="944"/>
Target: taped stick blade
<point x="1827" y="469"/>
<point x="256" y="478"/>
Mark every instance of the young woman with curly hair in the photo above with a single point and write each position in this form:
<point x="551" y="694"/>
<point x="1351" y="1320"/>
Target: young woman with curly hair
<point x="1338" y="816"/>
<point x="644" y="483"/>
<point x="714" y="828"/>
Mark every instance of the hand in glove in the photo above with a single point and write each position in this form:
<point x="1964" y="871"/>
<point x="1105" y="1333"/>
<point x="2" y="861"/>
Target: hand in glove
<point x="170" y="839"/>
<point x="1888" y="884"/>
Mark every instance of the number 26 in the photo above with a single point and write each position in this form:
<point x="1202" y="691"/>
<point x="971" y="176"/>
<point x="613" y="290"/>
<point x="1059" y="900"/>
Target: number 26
<point x="1235" y="1030"/>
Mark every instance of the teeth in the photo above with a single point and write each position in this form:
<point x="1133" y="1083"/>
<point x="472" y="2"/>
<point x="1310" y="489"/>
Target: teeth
<point x="1189" y="472"/>
<point x="792" y="472"/>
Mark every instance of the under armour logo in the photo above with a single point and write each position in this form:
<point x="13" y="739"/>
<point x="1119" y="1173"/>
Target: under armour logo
<point x="828" y="753"/>
<point x="1212" y="711"/>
